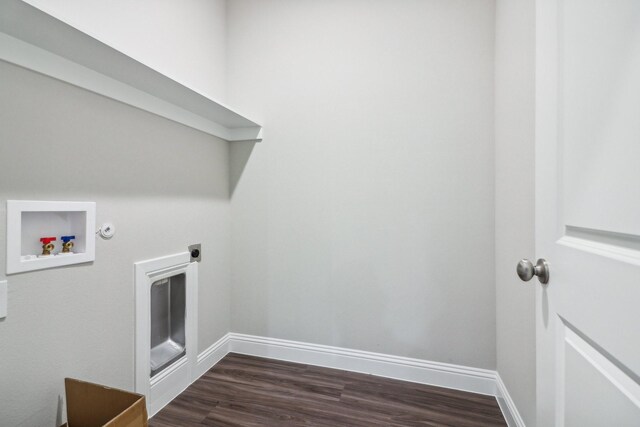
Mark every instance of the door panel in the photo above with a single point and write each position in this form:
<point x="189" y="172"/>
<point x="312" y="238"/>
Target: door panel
<point x="590" y="376"/>
<point x="600" y="113"/>
<point x="588" y="211"/>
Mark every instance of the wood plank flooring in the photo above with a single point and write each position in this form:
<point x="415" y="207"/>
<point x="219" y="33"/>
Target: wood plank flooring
<point x="251" y="391"/>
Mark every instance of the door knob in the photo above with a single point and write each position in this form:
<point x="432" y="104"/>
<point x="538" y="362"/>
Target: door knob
<point x="526" y="270"/>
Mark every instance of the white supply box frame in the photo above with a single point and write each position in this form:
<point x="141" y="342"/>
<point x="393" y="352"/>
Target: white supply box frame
<point x="26" y="219"/>
<point x="165" y="386"/>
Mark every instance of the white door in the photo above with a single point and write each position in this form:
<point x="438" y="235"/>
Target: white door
<point x="588" y="212"/>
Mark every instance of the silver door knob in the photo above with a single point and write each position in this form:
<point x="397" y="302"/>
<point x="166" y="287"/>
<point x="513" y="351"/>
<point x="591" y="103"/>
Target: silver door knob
<point x="526" y="270"/>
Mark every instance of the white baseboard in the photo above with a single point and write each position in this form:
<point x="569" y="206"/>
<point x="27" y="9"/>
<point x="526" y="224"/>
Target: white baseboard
<point x="507" y="406"/>
<point x="402" y="368"/>
<point x="483" y="381"/>
<point x="208" y="358"/>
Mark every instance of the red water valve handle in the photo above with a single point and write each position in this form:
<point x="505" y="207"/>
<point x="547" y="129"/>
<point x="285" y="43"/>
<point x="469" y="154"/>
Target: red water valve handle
<point x="47" y="240"/>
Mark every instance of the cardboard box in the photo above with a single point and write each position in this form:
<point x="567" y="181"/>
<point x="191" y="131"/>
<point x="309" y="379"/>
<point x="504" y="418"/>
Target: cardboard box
<point x="94" y="405"/>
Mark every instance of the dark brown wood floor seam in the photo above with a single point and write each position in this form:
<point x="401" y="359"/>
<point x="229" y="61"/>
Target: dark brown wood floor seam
<point x="252" y="391"/>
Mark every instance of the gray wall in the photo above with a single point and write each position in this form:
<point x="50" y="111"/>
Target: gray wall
<point x="362" y="221"/>
<point x="365" y="219"/>
<point x="163" y="185"/>
<point x="515" y="300"/>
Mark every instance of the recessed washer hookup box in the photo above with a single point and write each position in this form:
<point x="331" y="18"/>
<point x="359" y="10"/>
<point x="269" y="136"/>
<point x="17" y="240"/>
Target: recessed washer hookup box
<point x="94" y="405"/>
<point x="49" y="234"/>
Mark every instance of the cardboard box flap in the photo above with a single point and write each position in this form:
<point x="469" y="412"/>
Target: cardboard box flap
<point x="93" y="405"/>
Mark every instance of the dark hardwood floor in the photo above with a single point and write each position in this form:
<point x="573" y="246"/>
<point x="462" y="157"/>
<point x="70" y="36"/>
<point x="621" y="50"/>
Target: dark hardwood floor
<point x="251" y="391"/>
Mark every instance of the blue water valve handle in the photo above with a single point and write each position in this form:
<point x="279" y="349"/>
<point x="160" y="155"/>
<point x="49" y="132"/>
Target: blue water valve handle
<point x="66" y="239"/>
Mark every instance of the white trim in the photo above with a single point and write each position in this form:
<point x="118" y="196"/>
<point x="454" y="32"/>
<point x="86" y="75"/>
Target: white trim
<point x="403" y="368"/>
<point x="507" y="406"/>
<point x="206" y="360"/>
<point x="476" y="380"/>
<point x="32" y="39"/>
<point x="616" y="252"/>
<point x="169" y="384"/>
<point x="211" y="356"/>
<point x="176" y="378"/>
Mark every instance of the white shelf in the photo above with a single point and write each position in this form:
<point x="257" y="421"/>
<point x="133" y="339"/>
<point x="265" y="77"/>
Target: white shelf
<point x="32" y="39"/>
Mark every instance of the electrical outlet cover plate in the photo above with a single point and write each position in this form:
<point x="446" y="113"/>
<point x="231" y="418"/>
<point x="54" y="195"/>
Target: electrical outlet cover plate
<point x="192" y="250"/>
